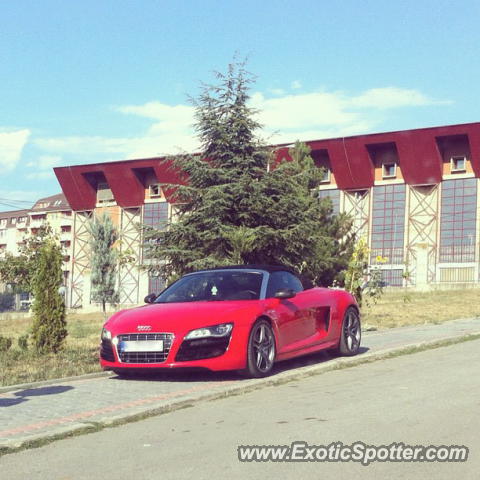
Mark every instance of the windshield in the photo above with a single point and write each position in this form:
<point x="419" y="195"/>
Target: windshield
<point x="214" y="286"/>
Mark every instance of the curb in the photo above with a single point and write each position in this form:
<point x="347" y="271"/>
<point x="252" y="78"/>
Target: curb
<point x="246" y="386"/>
<point x="53" y="381"/>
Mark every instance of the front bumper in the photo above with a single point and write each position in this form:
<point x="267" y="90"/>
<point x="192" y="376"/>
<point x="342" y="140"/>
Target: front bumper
<point x="226" y="353"/>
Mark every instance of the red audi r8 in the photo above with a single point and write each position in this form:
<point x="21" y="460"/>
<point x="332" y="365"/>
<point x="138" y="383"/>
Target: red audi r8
<point x="231" y="318"/>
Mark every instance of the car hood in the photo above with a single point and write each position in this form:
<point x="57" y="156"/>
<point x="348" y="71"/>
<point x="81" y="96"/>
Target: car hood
<point x="172" y="317"/>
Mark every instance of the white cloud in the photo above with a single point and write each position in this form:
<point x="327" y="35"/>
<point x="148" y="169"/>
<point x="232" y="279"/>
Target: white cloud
<point x="393" y="97"/>
<point x="11" y="146"/>
<point x="323" y="114"/>
<point x="277" y="91"/>
<point x="49" y="161"/>
<point x="303" y="111"/>
<point x="304" y="116"/>
<point x="171" y="132"/>
<point x="168" y="114"/>
<point x="153" y="143"/>
<point x="42" y="168"/>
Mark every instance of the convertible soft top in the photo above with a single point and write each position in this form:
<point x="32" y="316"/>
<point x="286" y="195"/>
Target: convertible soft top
<point x="267" y="268"/>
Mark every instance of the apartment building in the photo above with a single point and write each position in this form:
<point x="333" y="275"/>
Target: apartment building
<point x="17" y="225"/>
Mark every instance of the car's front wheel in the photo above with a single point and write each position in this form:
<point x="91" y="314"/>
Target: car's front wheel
<point x="261" y="349"/>
<point x="351" y="333"/>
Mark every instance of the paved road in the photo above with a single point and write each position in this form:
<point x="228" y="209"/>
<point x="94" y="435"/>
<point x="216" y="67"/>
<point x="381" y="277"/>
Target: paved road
<point x="33" y="413"/>
<point x="432" y="397"/>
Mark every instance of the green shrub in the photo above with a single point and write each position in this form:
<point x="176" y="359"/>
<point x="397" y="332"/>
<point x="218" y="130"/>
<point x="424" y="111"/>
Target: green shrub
<point x="5" y="343"/>
<point x="22" y="342"/>
<point x="49" y="325"/>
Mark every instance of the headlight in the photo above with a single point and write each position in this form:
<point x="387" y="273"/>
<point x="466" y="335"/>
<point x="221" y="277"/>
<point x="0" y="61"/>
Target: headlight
<point x="221" y="330"/>
<point x="106" y="334"/>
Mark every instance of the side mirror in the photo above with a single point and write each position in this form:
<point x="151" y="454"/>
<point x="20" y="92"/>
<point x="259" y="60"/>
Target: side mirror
<point x="285" y="293"/>
<point x="150" y="298"/>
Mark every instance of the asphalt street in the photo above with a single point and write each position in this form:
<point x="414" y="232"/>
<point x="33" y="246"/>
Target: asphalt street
<point x="426" y="398"/>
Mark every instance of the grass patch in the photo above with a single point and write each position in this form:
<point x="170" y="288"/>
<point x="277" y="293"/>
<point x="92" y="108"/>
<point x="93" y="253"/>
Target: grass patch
<point x="80" y="356"/>
<point x="401" y="308"/>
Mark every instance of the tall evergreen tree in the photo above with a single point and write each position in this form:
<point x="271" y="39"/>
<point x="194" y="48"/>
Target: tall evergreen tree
<point x="49" y="325"/>
<point x="104" y="261"/>
<point x="238" y="204"/>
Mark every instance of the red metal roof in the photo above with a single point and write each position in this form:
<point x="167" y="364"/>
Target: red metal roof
<point x="418" y="152"/>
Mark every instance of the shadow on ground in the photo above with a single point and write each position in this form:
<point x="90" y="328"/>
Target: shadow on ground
<point x="22" y="395"/>
<point x="203" y="375"/>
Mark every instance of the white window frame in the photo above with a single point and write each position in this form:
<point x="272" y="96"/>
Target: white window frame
<point x="153" y="187"/>
<point x="384" y="173"/>
<point x="453" y="168"/>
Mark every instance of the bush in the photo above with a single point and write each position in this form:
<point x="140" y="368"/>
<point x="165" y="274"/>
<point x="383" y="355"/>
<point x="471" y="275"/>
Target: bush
<point x="5" y="343"/>
<point x="22" y="342"/>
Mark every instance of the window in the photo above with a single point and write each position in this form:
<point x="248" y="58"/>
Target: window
<point x="3" y="233"/>
<point x="334" y="196"/>
<point x="22" y="219"/>
<point x="14" y="220"/>
<point x="156" y="284"/>
<point x="458" y="164"/>
<point x="155" y="190"/>
<point x="3" y="223"/>
<point x="279" y="280"/>
<point x="104" y="194"/>
<point x="155" y="215"/>
<point x="389" y="170"/>
<point x="388" y="223"/>
<point x="393" y="278"/>
<point x="326" y="175"/>
<point x="220" y="285"/>
<point x="458" y="220"/>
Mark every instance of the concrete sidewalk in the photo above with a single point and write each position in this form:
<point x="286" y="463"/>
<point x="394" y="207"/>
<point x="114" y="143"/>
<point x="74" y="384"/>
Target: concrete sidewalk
<point x="33" y="415"/>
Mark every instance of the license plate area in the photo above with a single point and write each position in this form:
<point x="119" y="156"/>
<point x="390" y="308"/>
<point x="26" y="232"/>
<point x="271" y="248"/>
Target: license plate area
<point x="141" y="346"/>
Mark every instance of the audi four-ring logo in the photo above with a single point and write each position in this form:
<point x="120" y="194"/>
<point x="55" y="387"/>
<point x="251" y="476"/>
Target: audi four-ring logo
<point x="144" y="328"/>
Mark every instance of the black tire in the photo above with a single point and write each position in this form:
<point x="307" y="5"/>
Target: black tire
<point x="261" y="350"/>
<point x="351" y="334"/>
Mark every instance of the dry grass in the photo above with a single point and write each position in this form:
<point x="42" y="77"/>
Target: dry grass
<point x="80" y="356"/>
<point x="400" y="308"/>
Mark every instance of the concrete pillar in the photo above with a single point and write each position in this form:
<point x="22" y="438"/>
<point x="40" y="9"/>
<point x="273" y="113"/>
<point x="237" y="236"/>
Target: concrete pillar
<point x="86" y="292"/>
<point x="143" y="285"/>
<point x="421" y="270"/>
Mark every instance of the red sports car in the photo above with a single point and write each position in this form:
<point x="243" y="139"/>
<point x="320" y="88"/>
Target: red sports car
<point x="231" y="318"/>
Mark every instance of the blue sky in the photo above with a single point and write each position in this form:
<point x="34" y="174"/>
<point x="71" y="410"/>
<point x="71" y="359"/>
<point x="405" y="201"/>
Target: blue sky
<point x="100" y="80"/>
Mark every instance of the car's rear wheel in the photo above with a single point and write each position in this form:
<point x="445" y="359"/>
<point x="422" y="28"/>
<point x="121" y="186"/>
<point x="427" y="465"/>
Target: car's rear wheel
<point x="351" y="333"/>
<point x="261" y="349"/>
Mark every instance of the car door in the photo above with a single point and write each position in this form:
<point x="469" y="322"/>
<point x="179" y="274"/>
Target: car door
<point x="293" y="320"/>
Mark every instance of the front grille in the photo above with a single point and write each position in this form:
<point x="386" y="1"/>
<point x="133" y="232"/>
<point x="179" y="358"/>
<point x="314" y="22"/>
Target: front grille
<point x="106" y="351"/>
<point x="145" y="357"/>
